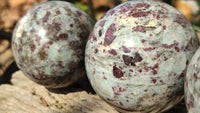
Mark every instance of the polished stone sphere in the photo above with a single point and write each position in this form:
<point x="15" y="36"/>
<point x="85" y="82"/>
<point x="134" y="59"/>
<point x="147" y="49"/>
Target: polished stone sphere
<point x="137" y="55"/>
<point x="192" y="84"/>
<point x="48" y="43"/>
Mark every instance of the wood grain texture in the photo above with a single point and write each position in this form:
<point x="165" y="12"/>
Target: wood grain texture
<point x="6" y="55"/>
<point x="25" y="96"/>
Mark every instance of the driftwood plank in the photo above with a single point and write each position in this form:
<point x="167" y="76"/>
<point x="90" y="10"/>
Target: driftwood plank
<point x="25" y="96"/>
<point x="6" y="56"/>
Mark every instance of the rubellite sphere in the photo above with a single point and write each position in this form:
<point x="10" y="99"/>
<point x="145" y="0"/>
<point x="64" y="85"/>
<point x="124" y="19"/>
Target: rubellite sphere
<point x="48" y="43"/>
<point x="192" y="84"/>
<point x="137" y="54"/>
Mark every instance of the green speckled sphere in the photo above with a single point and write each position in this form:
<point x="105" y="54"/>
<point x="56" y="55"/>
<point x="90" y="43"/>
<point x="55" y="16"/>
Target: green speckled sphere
<point x="48" y="43"/>
<point x="137" y="55"/>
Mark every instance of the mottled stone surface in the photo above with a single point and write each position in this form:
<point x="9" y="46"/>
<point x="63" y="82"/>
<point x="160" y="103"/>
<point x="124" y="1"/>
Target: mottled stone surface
<point x="49" y="41"/>
<point x="192" y="84"/>
<point x="137" y="54"/>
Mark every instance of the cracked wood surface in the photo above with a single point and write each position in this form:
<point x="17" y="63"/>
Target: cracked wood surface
<point x="25" y="96"/>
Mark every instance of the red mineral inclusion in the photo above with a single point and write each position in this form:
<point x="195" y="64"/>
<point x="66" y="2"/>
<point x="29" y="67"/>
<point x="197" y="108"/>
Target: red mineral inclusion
<point x="112" y="51"/>
<point x="195" y="76"/>
<point x="117" y="72"/>
<point x="128" y="60"/>
<point x="181" y="20"/>
<point x="96" y="50"/>
<point x="109" y="35"/>
<point x="102" y="23"/>
<point x="63" y="36"/>
<point x="46" y="17"/>
<point x="139" y="29"/>
<point x="137" y="57"/>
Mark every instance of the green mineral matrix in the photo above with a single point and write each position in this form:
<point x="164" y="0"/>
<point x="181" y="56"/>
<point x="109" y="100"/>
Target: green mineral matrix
<point x="48" y="43"/>
<point x="137" y="55"/>
<point x="192" y="83"/>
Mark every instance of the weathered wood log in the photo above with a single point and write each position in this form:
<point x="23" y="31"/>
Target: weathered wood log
<point x="6" y="56"/>
<point x="25" y="96"/>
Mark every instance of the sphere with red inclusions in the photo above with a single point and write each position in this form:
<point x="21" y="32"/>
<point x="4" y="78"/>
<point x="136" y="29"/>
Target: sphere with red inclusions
<point x="48" y="43"/>
<point x="192" y="84"/>
<point x="137" y="55"/>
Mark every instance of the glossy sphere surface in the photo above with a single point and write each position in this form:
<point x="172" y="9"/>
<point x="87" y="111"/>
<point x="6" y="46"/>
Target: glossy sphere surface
<point x="192" y="84"/>
<point x="137" y="54"/>
<point x="49" y="41"/>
